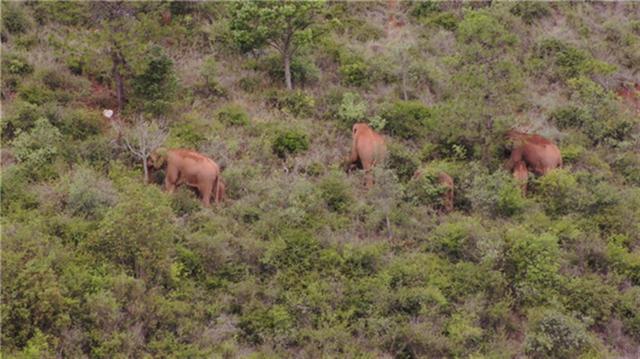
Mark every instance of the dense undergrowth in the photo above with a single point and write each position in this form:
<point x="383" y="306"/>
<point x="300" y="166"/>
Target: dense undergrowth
<point x="301" y="260"/>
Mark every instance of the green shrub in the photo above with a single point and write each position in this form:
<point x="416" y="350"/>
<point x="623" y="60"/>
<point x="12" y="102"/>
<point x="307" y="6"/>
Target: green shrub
<point x="80" y="123"/>
<point x="15" y="64"/>
<point x="89" y="195"/>
<point x="530" y="11"/>
<point x="35" y="93"/>
<point x="189" y="133"/>
<point x="591" y="298"/>
<point x="446" y="20"/>
<point x="38" y="148"/>
<point x="424" y="8"/>
<point x="406" y="119"/>
<point x="290" y="142"/>
<point x="568" y="61"/>
<point x="14" y="19"/>
<point x="559" y="191"/>
<point x="555" y="335"/>
<point x="355" y="73"/>
<point x="352" y="109"/>
<point x="483" y="35"/>
<point x="233" y="115"/>
<point x="336" y="192"/>
<point x="497" y="194"/>
<point x="628" y="164"/>
<point x="532" y="263"/>
<point x="156" y="86"/>
<point x="297" y="103"/>
<point x="209" y="73"/>
<point x="402" y="162"/>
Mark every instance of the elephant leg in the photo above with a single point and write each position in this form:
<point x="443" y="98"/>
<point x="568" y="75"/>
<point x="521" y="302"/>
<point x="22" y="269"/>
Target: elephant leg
<point x="205" y="191"/>
<point x="171" y="179"/>
<point x="368" y="175"/>
<point x="216" y="190"/>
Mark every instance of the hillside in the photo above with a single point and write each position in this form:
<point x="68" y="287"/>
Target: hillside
<point x="301" y="259"/>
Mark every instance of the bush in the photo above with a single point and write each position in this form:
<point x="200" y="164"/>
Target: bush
<point x="15" y="64"/>
<point x="209" y="73"/>
<point x="628" y="164"/>
<point x="290" y="142"/>
<point x="156" y="86"/>
<point x="532" y="263"/>
<point x="297" y="103"/>
<point x="406" y="119"/>
<point x="530" y="11"/>
<point x="352" y="109"/>
<point x="559" y="192"/>
<point x="569" y="62"/>
<point x="38" y="148"/>
<point x="497" y="194"/>
<point x="80" y="123"/>
<point x="233" y="115"/>
<point x="35" y="93"/>
<point x="591" y="298"/>
<point x="89" y="195"/>
<point x="336" y="192"/>
<point x="14" y="19"/>
<point x="402" y="162"/>
<point x="555" y="335"/>
<point x="355" y="73"/>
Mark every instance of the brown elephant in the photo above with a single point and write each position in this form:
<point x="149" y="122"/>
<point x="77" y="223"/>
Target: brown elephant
<point x="538" y="154"/>
<point x="521" y="174"/>
<point x="190" y="168"/>
<point x="445" y="181"/>
<point x="367" y="149"/>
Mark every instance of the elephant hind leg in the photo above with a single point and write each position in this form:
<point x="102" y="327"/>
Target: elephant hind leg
<point x="205" y="191"/>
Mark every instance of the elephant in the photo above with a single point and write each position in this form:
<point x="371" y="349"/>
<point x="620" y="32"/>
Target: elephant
<point x="368" y="149"/>
<point x="445" y="181"/>
<point x="538" y="154"/>
<point x="190" y="168"/>
<point x="521" y="174"/>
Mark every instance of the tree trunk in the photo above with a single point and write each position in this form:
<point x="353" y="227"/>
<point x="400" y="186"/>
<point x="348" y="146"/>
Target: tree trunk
<point x="117" y="77"/>
<point x="146" y="171"/>
<point x="287" y="70"/>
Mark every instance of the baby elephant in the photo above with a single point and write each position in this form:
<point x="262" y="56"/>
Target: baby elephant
<point x="367" y="149"/>
<point x="190" y="168"/>
<point x="445" y="181"/>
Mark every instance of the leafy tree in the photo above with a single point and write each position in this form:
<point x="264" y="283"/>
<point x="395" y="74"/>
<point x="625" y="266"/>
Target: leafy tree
<point x="286" y="26"/>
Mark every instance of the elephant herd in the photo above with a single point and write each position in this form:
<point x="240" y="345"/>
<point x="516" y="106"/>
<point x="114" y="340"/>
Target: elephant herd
<point x="529" y="153"/>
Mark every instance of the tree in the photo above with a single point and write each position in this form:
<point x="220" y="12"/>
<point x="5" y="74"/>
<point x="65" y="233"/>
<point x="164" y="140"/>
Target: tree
<point x="286" y="26"/>
<point x="142" y="139"/>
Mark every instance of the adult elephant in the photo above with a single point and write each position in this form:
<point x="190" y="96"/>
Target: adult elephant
<point x="367" y="150"/>
<point x="191" y="168"/>
<point x="532" y="153"/>
<point x="539" y="154"/>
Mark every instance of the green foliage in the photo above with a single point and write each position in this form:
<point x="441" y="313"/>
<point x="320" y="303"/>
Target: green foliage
<point x="497" y="194"/>
<point x="554" y="335"/>
<point x="15" y="64"/>
<point x="352" y="109"/>
<point x="355" y="73"/>
<point x="483" y="34"/>
<point x="402" y="162"/>
<point x="559" y="190"/>
<point x="14" y="19"/>
<point x="290" y="142"/>
<point x="406" y="119"/>
<point x="303" y="70"/>
<point x="89" y="195"/>
<point x="568" y="61"/>
<point x="233" y="115"/>
<point x="137" y="234"/>
<point x="156" y="86"/>
<point x="530" y="11"/>
<point x="336" y="193"/>
<point x="298" y="103"/>
<point x="532" y="264"/>
<point x="38" y="148"/>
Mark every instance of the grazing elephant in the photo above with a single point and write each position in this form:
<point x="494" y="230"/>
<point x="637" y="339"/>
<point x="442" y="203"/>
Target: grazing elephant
<point x="445" y="181"/>
<point x="521" y="174"/>
<point x="538" y="154"/>
<point x="367" y="149"/>
<point x="190" y="168"/>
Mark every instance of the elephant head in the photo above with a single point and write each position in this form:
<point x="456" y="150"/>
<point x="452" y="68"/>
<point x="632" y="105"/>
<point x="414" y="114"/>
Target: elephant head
<point x="158" y="158"/>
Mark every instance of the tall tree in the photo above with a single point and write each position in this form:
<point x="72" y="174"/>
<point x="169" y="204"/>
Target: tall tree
<point x="286" y="26"/>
